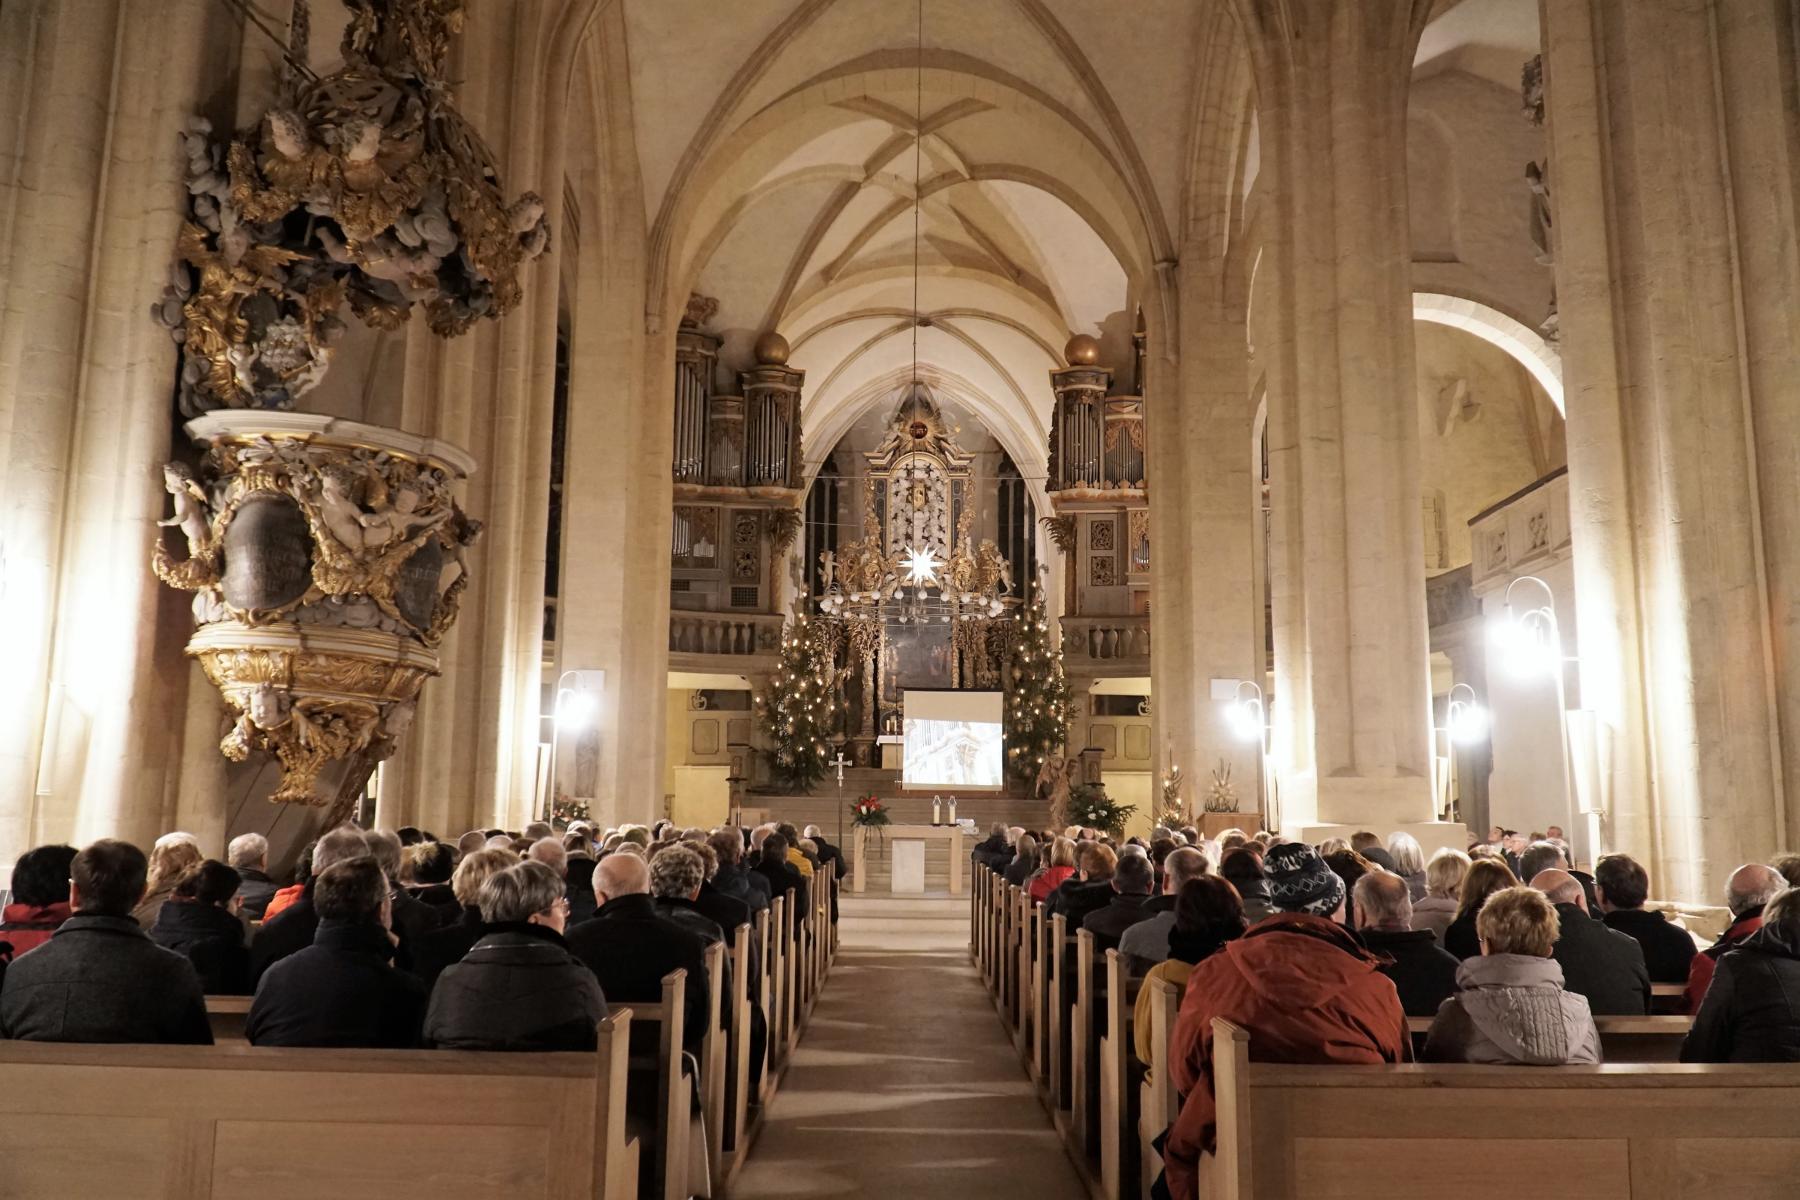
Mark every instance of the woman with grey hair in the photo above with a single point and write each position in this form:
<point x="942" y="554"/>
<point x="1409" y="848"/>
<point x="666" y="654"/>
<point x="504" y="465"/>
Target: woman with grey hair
<point x="519" y="988"/>
<point x="1409" y="862"/>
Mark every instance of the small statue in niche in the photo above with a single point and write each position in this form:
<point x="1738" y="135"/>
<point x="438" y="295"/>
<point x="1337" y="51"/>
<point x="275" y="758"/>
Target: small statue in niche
<point x="827" y="570"/>
<point x="338" y="508"/>
<point x="190" y="508"/>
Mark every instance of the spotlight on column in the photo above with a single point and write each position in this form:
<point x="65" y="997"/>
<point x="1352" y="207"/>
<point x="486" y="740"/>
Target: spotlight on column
<point x="1467" y="723"/>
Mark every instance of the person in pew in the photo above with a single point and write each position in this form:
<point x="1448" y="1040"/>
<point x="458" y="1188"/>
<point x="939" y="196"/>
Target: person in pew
<point x="441" y="948"/>
<point x="829" y="855"/>
<point x="1486" y="876"/>
<point x="40" y="899"/>
<point x="343" y="990"/>
<point x="1602" y="964"/>
<point x="1024" y="863"/>
<point x="1750" y="887"/>
<point x="248" y="855"/>
<point x="1090" y="889"/>
<point x="732" y="878"/>
<point x="1409" y="862"/>
<point x="292" y="930"/>
<point x="427" y="868"/>
<point x="1146" y="943"/>
<point x="1350" y="866"/>
<point x="1423" y="972"/>
<point x="1751" y="1013"/>
<point x="1056" y="870"/>
<point x="1444" y="876"/>
<point x="993" y="853"/>
<point x="629" y="947"/>
<point x="412" y="919"/>
<point x="776" y="866"/>
<point x="172" y="857"/>
<point x="1622" y="886"/>
<point x="203" y="923"/>
<point x="1302" y="986"/>
<point x="518" y="988"/>
<point x="286" y="897"/>
<point x="1368" y="845"/>
<point x="1208" y="913"/>
<point x="1132" y="882"/>
<point x="1511" y="1006"/>
<point x="797" y="858"/>
<point x="100" y="978"/>
<point x="1243" y="869"/>
<point x="677" y="873"/>
<point x="1788" y="867"/>
<point x="1552" y="854"/>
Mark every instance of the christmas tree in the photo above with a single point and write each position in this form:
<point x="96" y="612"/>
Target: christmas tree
<point x="1037" y="693"/>
<point x="800" y="708"/>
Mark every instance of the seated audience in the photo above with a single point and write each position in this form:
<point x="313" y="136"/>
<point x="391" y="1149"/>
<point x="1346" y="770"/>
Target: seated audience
<point x="286" y="897"/>
<point x="537" y="831"/>
<point x="1409" y="862"/>
<point x="1443" y="885"/>
<point x="1089" y="889"/>
<point x="993" y="853"/>
<point x="796" y="856"/>
<point x="201" y="922"/>
<point x="1511" y="1006"/>
<point x="1602" y="964"/>
<point x="1132" y="881"/>
<point x="580" y="877"/>
<point x="1243" y="869"/>
<point x="172" y="857"/>
<point x="470" y="842"/>
<point x="829" y="855"/>
<point x="1750" y="887"/>
<point x="1548" y="854"/>
<point x="1424" y="973"/>
<point x="727" y="912"/>
<point x="1207" y="914"/>
<point x="1302" y="986"/>
<point x="40" y="899"/>
<point x="629" y="947"/>
<point x="1622" y="886"/>
<point x="427" y="868"/>
<point x="1788" y="867"/>
<point x="100" y="978"/>
<point x="1057" y="869"/>
<point x="1146" y="943"/>
<point x="1751" y="1013"/>
<point x="1369" y="846"/>
<point x="777" y="868"/>
<point x="412" y="919"/>
<point x="733" y="878"/>
<point x="343" y="990"/>
<point x="248" y="855"/>
<point x="677" y="873"/>
<point x="1024" y="862"/>
<point x="518" y="988"/>
<point x="292" y="930"/>
<point x="1350" y="866"/>
<point x="442" y="947"/>
<point x="1486" y="876"/>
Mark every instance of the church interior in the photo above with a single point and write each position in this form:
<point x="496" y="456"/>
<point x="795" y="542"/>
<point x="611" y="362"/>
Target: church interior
<point x="1263" y="429"/>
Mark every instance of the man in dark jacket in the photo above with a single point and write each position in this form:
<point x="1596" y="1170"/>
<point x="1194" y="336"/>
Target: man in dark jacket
<point x="1602" y="964"/>
<point x="248" y="855"/>
<point x="1131" y="885"/>
<point x="993" y="853"/>
<point x="1423" y="972"/>
<point x="773" y="865"/>
<point x="733" y="878"/>
<point x="291" y="931"/>
<point x="1089" y="890"/>
<point x="1750" y="887"/>
<point x="1751" y="1013"/>
<point x="1622" y="886"/>
<point x="343" y="989"/>
<point x="519" y="988"/>
<point x="829" y="855"/>
<point x="630" y="948"/>
<point x="100" y="978"/>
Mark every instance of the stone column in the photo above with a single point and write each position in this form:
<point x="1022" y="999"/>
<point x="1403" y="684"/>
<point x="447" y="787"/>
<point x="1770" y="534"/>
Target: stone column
<point x="1352" y="710"/>
<point x="1672" y="164"/>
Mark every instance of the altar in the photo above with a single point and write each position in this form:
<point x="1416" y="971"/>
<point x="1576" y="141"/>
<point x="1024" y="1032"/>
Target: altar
<point x="902" y="847"/>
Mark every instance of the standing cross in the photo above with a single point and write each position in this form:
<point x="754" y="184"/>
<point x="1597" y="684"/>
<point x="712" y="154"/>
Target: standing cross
<point x="840" y="762"/>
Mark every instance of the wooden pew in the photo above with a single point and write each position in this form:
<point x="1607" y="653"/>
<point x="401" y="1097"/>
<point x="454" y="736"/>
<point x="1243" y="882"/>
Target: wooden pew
<point x="734" y="1135"/>
<point x="227" y="1015"/>
<point x="1158" y="1101"/>
<point x="713" y="1063"/>
<point x="1025" y="922"/>
<point x="198" y="1122"/>
<point x="674" y="1089"/>
<point x="767" y="995"/>
<point x="1640" y="1131"/>
<point x="1056" y="1002"/>
<point x="1622" y="1039"/>
<point x="793" y="1012"/>
<point x="1119" y="1101"/>
<point x="1040" y="987"/>
<point x="1668" y="997"/>
<point x="1084" y="1051"/>
<point x="776" y="963"/>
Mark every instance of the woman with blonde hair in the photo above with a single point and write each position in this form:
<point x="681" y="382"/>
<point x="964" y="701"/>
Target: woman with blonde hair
<point x="1058" y="869"/>
<point x="1443" y="887"/>
<point x="174" y="855"/>
<point x="432" y="952"/>
<point x="1484" y="879"/>
<point x="1409" y="862"/>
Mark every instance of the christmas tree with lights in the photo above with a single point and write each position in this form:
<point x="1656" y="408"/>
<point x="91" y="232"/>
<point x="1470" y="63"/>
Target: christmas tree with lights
<point x="1037" y="692"/>
<point x="800" y="708"/>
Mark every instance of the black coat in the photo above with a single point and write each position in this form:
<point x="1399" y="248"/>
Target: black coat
<point x="289" y="933"/>
<point x="727" y="912"/>
<point x="580" y="890"/>
<point x="212" y="939"/>
<point x="741" y="883"/>
<point x="1019" y="870"/>
<point x="1460" y="937"/>
<point x="519" y="988"/>
<point x="445" y="947"/>
<point x="784" y="879"/>
<point x="256" y="889"/>
<point x="1602" y="964"/>
<point x="339" y="991"/>
<point x="413" y="919"/>
<point x="993" y="853"/>
<point x="441" y="899"/>
<point x="831" y="856"/>
<point x="1668" y="948"/>
<point x="101" y="979"/>
<point x="1751" y="1012"/>
<point x="630" y="948"/>
<point x="1423" y="973"/>
<point x="1109" y="924"/>
<point x="1076" y="899"/>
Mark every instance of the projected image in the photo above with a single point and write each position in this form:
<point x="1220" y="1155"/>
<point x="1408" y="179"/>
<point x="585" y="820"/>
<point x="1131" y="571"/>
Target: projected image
<point x="953" y="754"/>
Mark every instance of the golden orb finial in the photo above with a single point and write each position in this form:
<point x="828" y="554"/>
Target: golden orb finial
<point x="771" y="349"/>
<point x="1082" y="351"/>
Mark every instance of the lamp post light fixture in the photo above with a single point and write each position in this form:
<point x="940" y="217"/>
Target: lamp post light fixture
<point x="1465" y="724"/>
<point x="1247" y="715"/>
<point x="575" y="709"/>
<point x="1532" y="638"/>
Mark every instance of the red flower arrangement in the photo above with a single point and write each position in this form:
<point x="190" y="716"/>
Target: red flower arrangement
<point x="867" y="810"/>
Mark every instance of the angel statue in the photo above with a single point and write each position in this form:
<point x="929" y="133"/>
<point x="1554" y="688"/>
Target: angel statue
<point x="190" y="508"/>
<point x="827" y="569"/>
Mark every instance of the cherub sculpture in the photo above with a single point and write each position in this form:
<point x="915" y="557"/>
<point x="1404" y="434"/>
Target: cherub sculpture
<point x="190" y="508"/>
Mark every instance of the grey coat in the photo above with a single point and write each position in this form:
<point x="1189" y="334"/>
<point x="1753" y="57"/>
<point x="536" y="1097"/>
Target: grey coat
<point x="1513" y="1009"/>
<point x="1434" y="913"/>
<point x="519" y="988"/>
<point x="101" y="979"/>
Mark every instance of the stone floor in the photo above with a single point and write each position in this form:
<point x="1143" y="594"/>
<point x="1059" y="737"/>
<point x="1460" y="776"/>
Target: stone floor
<point x="905" y="1084"/>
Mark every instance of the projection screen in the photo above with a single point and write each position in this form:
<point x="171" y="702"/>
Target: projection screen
<point x="953" y="740"/>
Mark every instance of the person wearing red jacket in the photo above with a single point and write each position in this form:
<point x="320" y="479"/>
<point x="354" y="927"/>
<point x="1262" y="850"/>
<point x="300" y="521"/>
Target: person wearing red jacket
<point x="1750" y="887"/>
<point x="40" y="899"/>
<point x="1302" y="986"/>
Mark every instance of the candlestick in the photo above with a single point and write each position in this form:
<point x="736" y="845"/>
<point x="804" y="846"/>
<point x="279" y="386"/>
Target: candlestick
<point x="934" y="810"/>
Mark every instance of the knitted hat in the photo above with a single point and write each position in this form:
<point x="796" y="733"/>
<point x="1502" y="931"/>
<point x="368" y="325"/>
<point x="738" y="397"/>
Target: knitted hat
<point x="1299" y="880"/>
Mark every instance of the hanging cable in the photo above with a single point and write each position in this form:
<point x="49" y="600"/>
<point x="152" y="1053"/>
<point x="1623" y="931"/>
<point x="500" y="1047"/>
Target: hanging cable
<point x="918" y="175"/>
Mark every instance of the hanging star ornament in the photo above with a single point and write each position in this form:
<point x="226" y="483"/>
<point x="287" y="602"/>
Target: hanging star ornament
<point x="921" y="565"/>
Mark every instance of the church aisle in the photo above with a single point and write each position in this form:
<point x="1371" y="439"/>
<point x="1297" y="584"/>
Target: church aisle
<point x="905" y="1084"/>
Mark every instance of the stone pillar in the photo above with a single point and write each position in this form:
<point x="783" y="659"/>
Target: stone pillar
<point x="1352" y="704"/>
<point x="1672" y="131"/>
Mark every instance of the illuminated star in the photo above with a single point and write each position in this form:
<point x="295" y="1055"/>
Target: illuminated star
<point x="921" y="565"/>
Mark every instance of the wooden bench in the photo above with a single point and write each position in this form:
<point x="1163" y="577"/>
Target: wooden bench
<point x="1651" y="1131"/>
<point x="185" y="1122"/>
<point x="1622" y="1039"/>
